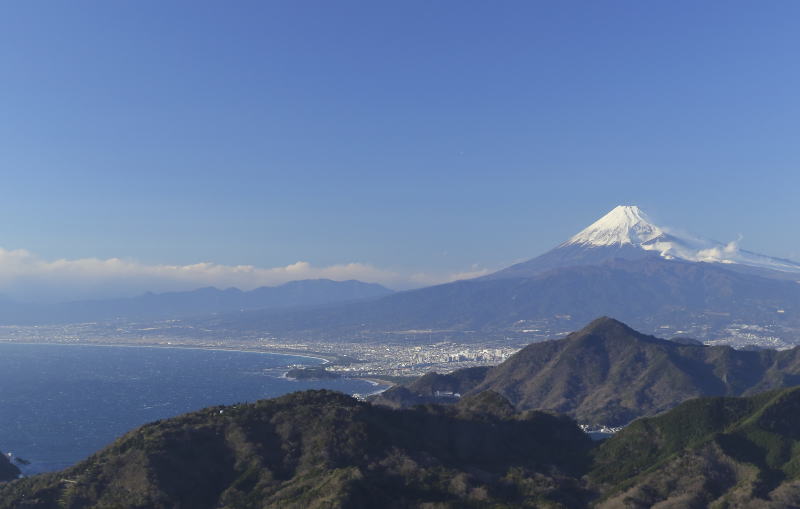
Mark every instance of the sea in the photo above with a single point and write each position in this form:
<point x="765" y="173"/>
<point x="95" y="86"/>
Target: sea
<point x="60" y="403"/>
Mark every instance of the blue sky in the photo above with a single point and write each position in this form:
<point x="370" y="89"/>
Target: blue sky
<point x="412" y="137"/>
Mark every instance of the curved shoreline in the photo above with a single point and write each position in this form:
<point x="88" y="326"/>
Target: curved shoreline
<point x="326" y="360"/>
<point x="288" y="353"/>
<point x="375" y="380"/>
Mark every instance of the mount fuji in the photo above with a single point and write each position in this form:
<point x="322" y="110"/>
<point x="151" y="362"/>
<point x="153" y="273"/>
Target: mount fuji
<point x="623" y="265"/>
<point x="627" y="233"/>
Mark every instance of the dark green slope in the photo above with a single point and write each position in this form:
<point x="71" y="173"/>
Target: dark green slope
<point x="425" y="388"/>
<point x="710" y="452"/>
<point x="320" y="449"/>
<point x="608" y="373"/>
<point x="323" y="449"/>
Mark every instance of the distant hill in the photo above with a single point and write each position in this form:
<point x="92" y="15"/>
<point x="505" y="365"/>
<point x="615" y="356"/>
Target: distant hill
<point x="607" y="373"/>
<point x="710" y="452"/>
<point x="150" y="306"/>
<point x="320" y="449"/>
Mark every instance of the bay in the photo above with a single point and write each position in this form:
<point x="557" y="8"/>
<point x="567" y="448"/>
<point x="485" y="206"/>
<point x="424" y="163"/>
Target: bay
<point x="61" y="403"/>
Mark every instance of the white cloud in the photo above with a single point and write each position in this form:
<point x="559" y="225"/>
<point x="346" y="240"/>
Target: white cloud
<point x="720" y="254"/>
<point x="423" y="279"/>
<point x="26" y="276"/>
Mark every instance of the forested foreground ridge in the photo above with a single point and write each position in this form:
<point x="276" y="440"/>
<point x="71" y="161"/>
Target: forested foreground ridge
<point x="325" y="449"/>
<point x="320" y="449"/>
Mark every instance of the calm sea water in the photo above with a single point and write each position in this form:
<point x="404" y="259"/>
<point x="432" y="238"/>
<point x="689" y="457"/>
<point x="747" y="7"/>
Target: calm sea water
<point x="60" y="403"/>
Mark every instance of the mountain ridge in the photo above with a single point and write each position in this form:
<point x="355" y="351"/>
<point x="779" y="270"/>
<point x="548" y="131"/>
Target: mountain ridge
<point x="608" y="373"/>
<point x="708" y="452"/>
<point x="320" y="449"/>
<point x="646" y="293"/>
<point x="206" y="300"/>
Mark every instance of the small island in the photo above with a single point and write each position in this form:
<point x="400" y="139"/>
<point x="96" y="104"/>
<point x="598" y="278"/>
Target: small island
<point x="312" y="373"/>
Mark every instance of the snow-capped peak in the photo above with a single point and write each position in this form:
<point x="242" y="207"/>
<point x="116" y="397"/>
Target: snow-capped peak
<point x="625" y="224"/>
<point x="628" y="225"/>
<point x="627" y="233"/>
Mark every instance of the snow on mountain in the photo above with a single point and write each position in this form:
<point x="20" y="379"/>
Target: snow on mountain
<point x="627" y="233"/>
<point x="625" y="224"/>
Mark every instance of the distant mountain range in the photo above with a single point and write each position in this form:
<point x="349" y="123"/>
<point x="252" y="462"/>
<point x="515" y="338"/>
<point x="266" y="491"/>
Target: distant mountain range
<point x="622" y="266"/>
<point x="152" y="306"/>
<point x="695" y="298"/>
<point x="607" y="373"/>
<point x="322" y="449"/>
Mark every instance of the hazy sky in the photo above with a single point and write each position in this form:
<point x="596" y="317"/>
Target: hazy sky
<point x="415" y="139"/>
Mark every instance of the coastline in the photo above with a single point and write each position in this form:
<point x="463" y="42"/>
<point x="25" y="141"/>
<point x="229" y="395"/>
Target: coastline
<point x="376" y="380"/>
<point x="325" y="358"/>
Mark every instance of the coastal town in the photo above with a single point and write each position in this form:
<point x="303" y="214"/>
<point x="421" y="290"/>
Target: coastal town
<point x="391" y="358"/>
